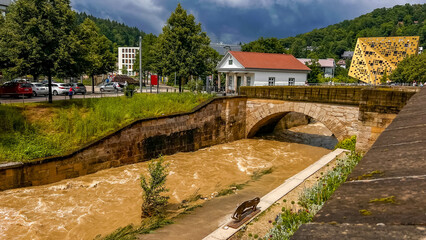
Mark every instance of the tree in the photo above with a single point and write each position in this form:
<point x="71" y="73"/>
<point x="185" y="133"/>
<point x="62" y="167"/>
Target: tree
<point x="98" y="58"/>
<point x="315" y="71"/>
<point x="178" y="48"/>
<point x="154" y="203"/>
<point x="39" y="37"/>
<point x="265" y="45"/>
<point x="410" y="69"/>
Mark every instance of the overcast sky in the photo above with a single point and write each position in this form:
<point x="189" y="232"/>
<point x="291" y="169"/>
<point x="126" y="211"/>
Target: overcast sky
<point x="234" y="21"/>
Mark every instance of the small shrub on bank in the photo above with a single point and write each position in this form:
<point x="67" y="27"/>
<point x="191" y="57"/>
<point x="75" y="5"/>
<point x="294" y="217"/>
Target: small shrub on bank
<point x="348" y="144"/>
<point x="154" y="203"/>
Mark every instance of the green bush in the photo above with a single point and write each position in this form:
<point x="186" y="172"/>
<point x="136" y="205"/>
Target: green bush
<point x="348" y="144"/>
<point x="154" y="203"/>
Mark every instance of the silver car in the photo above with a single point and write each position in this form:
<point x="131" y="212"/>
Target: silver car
<point x="111" y="87"/>
<point x="39" y="89"/>
<point x="60" y="88"/>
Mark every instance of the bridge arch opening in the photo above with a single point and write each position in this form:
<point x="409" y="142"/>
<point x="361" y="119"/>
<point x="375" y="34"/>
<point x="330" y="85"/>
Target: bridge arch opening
<point x="294" y="127"/>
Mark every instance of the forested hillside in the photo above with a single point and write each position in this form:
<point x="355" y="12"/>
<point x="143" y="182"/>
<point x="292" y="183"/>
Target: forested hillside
<point x="332" y="41"/>
<point x="119" y="33"/>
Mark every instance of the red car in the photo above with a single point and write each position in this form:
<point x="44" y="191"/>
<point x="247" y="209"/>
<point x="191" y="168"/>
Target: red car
<point x="16" y="89"/>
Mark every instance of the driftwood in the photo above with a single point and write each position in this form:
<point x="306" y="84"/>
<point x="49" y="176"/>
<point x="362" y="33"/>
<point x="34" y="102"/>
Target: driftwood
<point x="244" y="208"/>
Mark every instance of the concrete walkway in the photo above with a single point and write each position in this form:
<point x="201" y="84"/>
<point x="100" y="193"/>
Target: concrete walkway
<point x="385" y="196"/>
<point x="266" y="201"/>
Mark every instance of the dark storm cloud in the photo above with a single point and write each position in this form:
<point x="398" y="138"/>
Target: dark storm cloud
<point x="235" y="21"/>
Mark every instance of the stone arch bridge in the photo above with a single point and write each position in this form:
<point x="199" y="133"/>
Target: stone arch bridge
<point x="345" y="111"/>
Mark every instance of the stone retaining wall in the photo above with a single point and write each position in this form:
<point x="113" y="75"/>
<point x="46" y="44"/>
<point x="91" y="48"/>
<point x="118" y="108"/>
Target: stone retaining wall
<point x="219" y="121"/>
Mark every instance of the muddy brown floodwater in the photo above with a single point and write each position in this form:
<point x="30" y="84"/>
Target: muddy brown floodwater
<point x="84" y="207"/>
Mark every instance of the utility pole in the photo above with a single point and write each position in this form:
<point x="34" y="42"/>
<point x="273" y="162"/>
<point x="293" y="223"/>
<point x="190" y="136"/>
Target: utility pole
<point x="140" y="64"/>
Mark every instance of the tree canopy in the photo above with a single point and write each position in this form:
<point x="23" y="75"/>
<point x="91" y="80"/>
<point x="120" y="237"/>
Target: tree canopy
<point x="98" y="58"/>
<point x="119" y="34"/>
<point x="182" y="47"/>
<point x="40" y="37"/>
<point x="411" y="69"/>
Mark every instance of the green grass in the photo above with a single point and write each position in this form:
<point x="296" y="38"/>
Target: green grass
<point x="37" y="130"/>
<point x="312" y="199"/>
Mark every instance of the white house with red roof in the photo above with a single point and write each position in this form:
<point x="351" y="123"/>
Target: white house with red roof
<point x="261" y="69"/>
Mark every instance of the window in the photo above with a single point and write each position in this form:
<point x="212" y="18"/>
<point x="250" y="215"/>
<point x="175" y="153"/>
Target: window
<point x="291" y="81"/>
<point x="248" y="81"/>
<point x="230" y="62"/>
<point x="123" y="60"/>
<point x="271" y="81"/>
<point x="123" y="55"/>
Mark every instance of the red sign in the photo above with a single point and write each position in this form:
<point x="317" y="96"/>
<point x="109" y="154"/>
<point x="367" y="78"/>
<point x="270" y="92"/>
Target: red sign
<point x="154" y="79"/>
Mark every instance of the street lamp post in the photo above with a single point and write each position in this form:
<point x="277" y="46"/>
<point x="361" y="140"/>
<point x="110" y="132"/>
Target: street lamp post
<point x="140" y="64"/>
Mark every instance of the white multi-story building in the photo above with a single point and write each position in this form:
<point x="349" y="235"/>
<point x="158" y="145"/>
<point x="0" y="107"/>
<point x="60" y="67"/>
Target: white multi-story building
<point x="127" y="59"/>
<point x="3" y="6"/>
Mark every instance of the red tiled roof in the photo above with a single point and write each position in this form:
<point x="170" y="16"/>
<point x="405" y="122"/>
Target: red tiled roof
<point x="269" y="61"/>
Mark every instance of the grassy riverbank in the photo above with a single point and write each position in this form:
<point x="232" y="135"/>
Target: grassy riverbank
<point x="37" y="130"/>
<point x="312" y="199"/>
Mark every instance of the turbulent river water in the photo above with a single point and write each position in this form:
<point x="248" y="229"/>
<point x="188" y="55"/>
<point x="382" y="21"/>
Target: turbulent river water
<point x="84" y="207"/>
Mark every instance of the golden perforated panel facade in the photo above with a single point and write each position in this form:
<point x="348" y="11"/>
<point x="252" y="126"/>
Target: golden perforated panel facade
<point x="374" y="56"/>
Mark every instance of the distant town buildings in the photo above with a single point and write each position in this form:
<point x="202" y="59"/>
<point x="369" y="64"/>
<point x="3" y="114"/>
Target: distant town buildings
<point x="328" y="66"/>
<point x="261" y="69"/>
<point x="3" y="6"/>
<point x="347" y="55"/>
<point x="375" y="56"/>
<point x="341" y="63"/>
<point x="127" y="59"/>
<point x="223" y="48"/>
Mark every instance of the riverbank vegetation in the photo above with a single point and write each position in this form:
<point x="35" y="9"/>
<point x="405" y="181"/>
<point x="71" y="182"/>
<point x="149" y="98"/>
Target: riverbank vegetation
<point x="37" y="130"/>
<point x="312" y="199"/>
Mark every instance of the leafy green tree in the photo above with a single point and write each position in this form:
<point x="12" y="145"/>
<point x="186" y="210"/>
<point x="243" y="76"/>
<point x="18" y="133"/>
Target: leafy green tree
<point x="411" y="69"/>
<point x="98" y="58"/>
<point x="118" y="33"/>
<point x="154" y="203"/>
<point x="40" y="37"/>
<point x="124" y="71"/>
<point x="315" y="71"/>
<point x="178" y="48"/>
<point x="298" y="48"/>
<point x="265" y="45"/>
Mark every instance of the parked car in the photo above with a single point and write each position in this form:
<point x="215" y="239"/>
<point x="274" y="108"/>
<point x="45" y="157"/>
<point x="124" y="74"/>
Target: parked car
<point x="112" y="87"/>
<point x="39" y="89"/>
<point x="47" y="82"/>
<point x="78" y="88"/>
<point x="16" y="89"/>
<point x="60" y="88"/>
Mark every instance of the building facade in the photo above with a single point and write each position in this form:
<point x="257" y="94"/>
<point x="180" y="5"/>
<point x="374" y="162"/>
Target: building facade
<point x="375" y="56"/>
<point x="261" y="69"/>
<point x="3" y="6"/>
<point x="127" y="60"/>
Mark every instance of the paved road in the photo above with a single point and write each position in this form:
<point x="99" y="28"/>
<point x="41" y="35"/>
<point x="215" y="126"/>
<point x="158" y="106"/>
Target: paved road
<point x="97" y="94"/>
